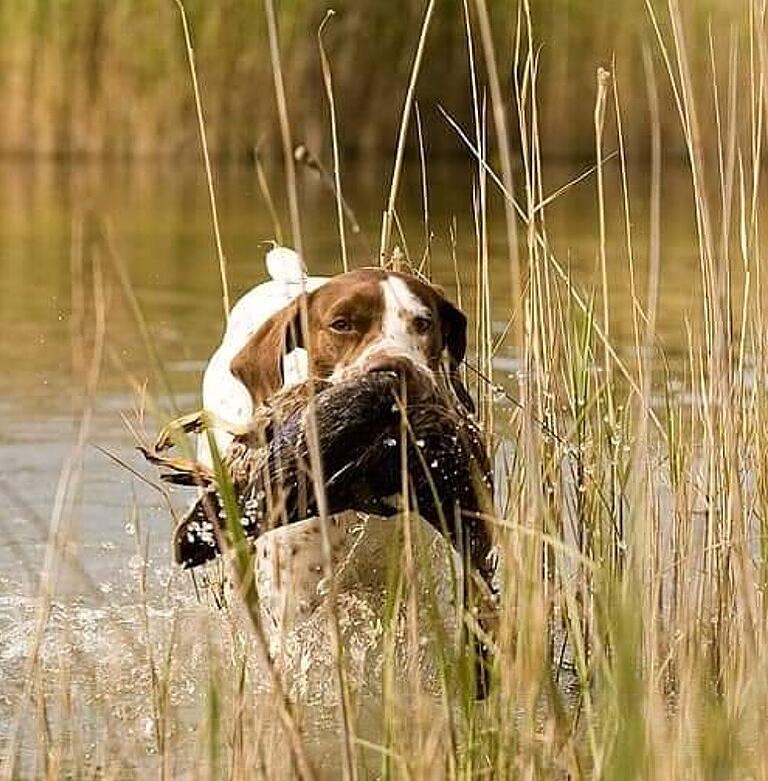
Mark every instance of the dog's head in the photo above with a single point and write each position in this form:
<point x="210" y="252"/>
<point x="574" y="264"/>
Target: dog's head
<point x="365" y="320"/>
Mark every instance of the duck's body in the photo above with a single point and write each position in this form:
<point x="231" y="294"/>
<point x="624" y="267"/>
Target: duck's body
<point x="359" y="432"/>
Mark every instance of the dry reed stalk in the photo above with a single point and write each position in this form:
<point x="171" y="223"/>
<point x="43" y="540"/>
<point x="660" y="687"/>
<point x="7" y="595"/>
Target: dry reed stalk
<point x="424" y="265"/>
<point x="304" y="156"/>
<point x="654" y="230"/>
<point x="483" y="336"/>
<point x="603" y="82"/>
<point x="285" y="127"/>
<point x="386" y="225"/>
<point x="649" y="540"/>
<point x="347" y="736"/>
<point x="637" y="308"/>
<point x="499" y="111"/>
<point x="345" y="705"/>
<point x="77" y="275"/>
<point x="266" y="194"/>
<point x="328" y="82"/>
<point x="410" y="578"/>
<point x="206" y="157"/>
<point x="347" y="732"/>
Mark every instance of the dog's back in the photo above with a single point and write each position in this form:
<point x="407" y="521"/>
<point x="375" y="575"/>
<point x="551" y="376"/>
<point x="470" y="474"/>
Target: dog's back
<point x="224" y="396"/>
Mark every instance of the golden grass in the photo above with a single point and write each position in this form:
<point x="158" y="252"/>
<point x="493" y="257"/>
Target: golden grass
<point x="632" y="640"/>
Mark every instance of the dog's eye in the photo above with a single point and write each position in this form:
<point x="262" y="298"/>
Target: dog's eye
<point x="422" y="324"/>
<point x="342" y="325"/>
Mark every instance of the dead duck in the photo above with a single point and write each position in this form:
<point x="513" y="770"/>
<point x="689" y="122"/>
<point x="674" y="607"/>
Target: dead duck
<point x="366" y="435"/>
<point x="360" y="427"/>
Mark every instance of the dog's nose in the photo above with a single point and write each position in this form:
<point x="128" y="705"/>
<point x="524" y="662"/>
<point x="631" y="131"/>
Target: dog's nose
<point x="417" y="382"/>
<point x="389" y="363"/>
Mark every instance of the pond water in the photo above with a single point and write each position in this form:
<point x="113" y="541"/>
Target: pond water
<point x="157" y="222"/>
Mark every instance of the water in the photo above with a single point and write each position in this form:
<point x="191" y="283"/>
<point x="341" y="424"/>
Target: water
<point x="158" y="223"/>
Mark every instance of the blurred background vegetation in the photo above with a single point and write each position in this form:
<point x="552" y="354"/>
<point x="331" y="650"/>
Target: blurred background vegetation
<point x="108" y="78"/>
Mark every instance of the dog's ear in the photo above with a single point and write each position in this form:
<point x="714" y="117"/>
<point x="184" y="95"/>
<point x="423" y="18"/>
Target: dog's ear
<point x="259" y="365"/>
<point x="453" y="323"/>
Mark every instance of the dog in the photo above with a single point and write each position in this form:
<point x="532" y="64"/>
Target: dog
<point x="355" y="322"/>
<point x="354" y="356"/>
<point x="366" y="322"/>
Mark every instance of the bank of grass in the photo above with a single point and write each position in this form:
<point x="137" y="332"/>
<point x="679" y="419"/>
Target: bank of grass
<point x="632" y="639"/>
<point x="108" y="77"/>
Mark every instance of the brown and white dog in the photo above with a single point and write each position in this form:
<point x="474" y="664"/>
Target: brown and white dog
<point x="365" y="320"/>
<point x="366" y="323"/>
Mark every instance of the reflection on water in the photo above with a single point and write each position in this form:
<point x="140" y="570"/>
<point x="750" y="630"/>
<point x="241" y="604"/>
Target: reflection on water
<point x="158" y="223"/>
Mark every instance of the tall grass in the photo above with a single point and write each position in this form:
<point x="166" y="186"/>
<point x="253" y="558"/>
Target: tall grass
<point x="631" y="638"/>
<point x="109" y="77"/>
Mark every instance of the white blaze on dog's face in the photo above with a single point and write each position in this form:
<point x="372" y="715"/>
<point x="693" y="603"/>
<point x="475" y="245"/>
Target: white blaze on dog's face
<point x="405" y="331"/>
<point x="358" y="322"/>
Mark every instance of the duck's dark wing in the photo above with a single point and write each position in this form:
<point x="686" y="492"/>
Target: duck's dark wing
<point x="349" y="425"/>
<point x="346" y="419"/>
